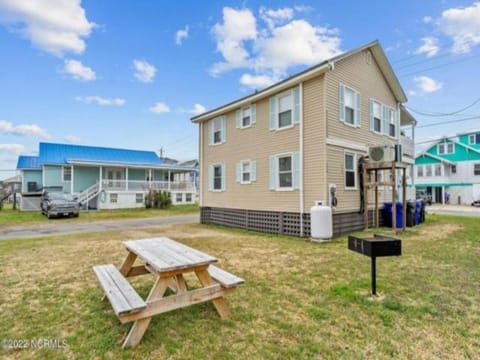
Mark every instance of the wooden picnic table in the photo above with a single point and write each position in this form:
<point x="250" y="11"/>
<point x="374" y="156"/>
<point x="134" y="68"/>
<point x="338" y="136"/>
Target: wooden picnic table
<point x="168" y="261"/>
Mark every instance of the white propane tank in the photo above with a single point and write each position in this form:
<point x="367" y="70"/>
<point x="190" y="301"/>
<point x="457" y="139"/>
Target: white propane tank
<point x="321" y="222"/>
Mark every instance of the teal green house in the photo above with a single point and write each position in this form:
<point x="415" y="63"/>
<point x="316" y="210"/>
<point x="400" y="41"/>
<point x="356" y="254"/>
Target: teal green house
<point x="450" y="169"/>
<point x="103" y="178"/>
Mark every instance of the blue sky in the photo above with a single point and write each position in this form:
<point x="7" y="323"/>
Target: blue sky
<point x="131" y="73"/>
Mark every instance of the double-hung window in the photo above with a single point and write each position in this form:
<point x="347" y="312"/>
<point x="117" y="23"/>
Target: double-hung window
<point x="420" y="170"/>
<point x="246" y="116"/>
<point x="246" y="172"/>
<point x="445" y="148"/>
<point x="476" y="169"/>
<point x="350" y="171"/>
<point x="453" y="169"/>
<point x="217" y="130"/>
<point x="67" y="173"/>
<point x="392" y="122"/>
<point x="474" y="139"/>
<point x="285" y="172"/>
<point x="375" y="116"/>
<point x="428" y="170"/>
<point x="350" y="106"/>
<point x="216" y="177"/>
<point x="438" y="169"/>
<point x="285" y="109"/>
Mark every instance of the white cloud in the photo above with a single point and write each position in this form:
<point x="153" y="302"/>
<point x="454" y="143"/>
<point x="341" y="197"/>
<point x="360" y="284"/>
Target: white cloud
<point x="197" y="109"/>
<point x="9" y="154"/>
<point x="430" y="47"/>
<point x="16" y="149"/>
<point x="78" y="71"/>
<point x="426" y="84"/>
<point x="463" y="26"/>
<point x="53" y="26"/>
<point x="270" y="50"/>
<point x="274" y="17"/>
<point x="100" y="100"/>
<point x="412" y="93"/>
<point x="257" y="81"/>
<point x="427" y="19"/>
<point x="237" y="27"/>
<point x="144" y="72"/>
<point x="72" y="139"/>
<point x="181" y="35"/>
<point x="7" y="127"/>
<point x="159" y="108"/>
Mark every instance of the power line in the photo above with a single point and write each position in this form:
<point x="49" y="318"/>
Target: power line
<point x="440" y="66"/>
<point x="435" y="140"/>
<point x="443" y="114"/>
<point x="449" y="122"/>
<point x="433" y="58"/>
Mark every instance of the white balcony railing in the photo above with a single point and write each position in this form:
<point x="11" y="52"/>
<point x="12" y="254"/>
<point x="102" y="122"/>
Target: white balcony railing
<point x="135" y="185"/>
<point x="408" y="146"/>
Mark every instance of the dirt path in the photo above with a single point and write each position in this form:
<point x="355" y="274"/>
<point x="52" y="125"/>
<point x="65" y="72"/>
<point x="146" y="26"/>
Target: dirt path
<point x="56" y="227"/>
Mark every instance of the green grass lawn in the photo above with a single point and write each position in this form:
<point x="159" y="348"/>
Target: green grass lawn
<point x="301" y="300"/>
<point x="9" y="217"/>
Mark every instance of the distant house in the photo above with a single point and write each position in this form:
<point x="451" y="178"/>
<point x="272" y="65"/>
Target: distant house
<point x="265" y="159"/>
<point x="103" y="178"/>
<point x="450" y="168"/>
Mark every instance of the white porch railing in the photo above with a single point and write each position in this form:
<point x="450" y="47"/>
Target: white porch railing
<point x="135" y="185"/>
<point x="408" y="147"/>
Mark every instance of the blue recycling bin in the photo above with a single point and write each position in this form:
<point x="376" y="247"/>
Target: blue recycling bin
<point x="418" y="212"/>
<point x="388" y="214"/>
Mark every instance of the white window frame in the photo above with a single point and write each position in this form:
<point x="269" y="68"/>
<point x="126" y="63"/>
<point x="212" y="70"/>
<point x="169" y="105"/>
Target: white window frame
<point x="470" y="137"/>
<point x="355" y="170"/>
<point x="277" y="158"/>
<point x="249" y="163"/>
<point x="277" y="109"/>
<point x="113" y="198"/>
<point x="428" y="169"/>
<point x="139" y="198"/>
<point x="242" y="111"/>
<point x="392" y="120"/>
<point x="380" y="118"/>
<point x="437" y="167"/>
<point x="445" y="147"/>
<point x="453" y="169"/>
<point x="356" y="110"/>
<point x="474" y="165"/>
<point x="222" y="169"/>
<point x="420" y="171"/>
<point x="64" y="172"/>
<point x="221" y="120"/>
<point x="177" y="196"/>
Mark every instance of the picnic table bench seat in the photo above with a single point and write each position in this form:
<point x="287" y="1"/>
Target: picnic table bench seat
<point x="226" y="279"/>
<point x="122" y="296"/>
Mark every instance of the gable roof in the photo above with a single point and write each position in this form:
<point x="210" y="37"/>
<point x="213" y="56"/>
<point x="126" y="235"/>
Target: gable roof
<point x="311" y="72"/>
<point x="436" y="158"/>
<point x="27" y="162"/>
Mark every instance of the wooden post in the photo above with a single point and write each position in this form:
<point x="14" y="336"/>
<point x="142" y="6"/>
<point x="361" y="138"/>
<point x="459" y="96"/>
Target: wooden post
<point x="365" y="197"/>
<point x="394" y="198"/>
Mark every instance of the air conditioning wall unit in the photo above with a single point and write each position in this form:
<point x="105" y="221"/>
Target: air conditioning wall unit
<point x="381" y="153"/>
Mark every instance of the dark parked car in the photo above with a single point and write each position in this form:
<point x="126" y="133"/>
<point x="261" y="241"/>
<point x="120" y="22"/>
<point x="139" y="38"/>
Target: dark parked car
<point x="58" y="204"/>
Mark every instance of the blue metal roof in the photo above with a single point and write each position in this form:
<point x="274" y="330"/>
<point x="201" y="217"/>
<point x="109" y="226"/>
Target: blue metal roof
<point x="28" y="162"/>
<point x="59" y="154"/>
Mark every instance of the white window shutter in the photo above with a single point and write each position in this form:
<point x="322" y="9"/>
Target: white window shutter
<point x="273" y="172"/>
<point x="370" y="114"/>
<point x="210" y="178"/>
<point x="253" y="111"/>
<point x="397" y="126"/>
<point x="224" y="176"/>
<point x="358" y="109"/>
<point x="253" y="171"/>
<point x="296" y="105"/>
<point x="238" y="172"/>
<point x="210" y="132"/>
<point x="224" y="128"/>
<point x="273" y="113"/>
<point x="386" y="123"/>
<point x="296" y="170"/>
<point x="341" y="101"/>
<point x="238" y="118"/>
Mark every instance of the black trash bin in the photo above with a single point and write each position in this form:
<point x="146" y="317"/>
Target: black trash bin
<point x="410" y="213"/>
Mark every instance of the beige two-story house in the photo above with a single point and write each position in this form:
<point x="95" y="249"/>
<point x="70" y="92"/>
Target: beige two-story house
<point x="266" y="158"/>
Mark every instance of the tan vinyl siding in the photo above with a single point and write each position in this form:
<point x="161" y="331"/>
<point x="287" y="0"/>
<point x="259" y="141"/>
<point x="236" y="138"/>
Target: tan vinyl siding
<point x="368" y="80"/>
<point x="315" y="187"/>
<point x="256" y="143"/>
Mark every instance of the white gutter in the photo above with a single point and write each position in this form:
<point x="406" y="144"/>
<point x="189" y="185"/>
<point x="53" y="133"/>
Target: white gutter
<point x="263" y="94"/>
<point x="301" y="159"/>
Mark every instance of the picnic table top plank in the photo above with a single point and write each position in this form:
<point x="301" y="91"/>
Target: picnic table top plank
<point x="164" y="254"/>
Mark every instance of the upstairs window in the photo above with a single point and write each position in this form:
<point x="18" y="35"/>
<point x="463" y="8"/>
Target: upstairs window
<point x="392" y="122"/>
<point x="217" y="130"/>
<point x="445" y="148"/>
<point x="420" y="170"/>
<point x="350" y="105"/>
<point x="246" y="116"/>
<point x="375" y="113"/>
<point x="67" y="173"/>
<point x="474" y="139"/>
<point x="285" y="109"/>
